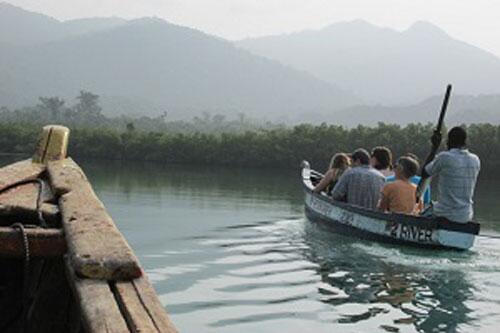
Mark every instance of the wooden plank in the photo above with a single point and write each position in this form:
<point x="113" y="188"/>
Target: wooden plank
<point x="19" y="198"/>
<point x="42" y="242"/>
<point x="20" y="203"/>
<point x="95" y="246"/>
<point x="23" y="170"/>
<point x="100" y="312"/>
<point x="141" y="307"/>
<point x="135" y="313"/>
<point x="149" y="298"/>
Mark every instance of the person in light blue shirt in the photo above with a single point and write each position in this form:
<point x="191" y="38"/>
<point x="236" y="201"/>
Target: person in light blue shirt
<point x="457" y="170"/>
<point x="415" y="180"/>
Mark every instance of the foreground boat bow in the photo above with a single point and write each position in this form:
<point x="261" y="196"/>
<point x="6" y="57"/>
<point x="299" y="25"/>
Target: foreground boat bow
<point x="64" y="266"/>
<point x="392" y="228"/>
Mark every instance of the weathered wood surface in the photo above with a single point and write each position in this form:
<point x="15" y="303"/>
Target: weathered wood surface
<point x="21" y="202"/>
<point x="141" y="307"/>
<point x="19" y="171"/>
<point x="95" y="246"/>
<point x="98" y="306"/>
<point x="42" y="242"/>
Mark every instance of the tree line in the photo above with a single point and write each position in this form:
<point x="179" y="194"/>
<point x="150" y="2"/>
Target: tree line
<point x="283" y="147"/>
<point x="87" y="113"/>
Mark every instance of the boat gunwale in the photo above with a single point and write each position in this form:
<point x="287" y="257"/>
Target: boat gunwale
<point x="428" y="222"/>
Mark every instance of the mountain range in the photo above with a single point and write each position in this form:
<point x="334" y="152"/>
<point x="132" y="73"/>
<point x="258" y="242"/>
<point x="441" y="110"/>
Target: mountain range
<point x="349" y="72"/>
<point x="382" y="65"/>
<point x="462" y="109"/>
<point x="150" y="62"/>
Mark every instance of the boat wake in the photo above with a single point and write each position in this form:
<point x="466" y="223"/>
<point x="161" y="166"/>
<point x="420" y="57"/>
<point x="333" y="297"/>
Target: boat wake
<point x="292" y="272"/>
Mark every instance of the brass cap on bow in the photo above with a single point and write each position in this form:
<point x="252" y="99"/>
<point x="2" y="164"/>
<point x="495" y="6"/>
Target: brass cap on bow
<point x="52" y="144"/>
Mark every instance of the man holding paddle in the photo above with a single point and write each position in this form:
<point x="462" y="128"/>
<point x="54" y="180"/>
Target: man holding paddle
<point x="457" y="170"/>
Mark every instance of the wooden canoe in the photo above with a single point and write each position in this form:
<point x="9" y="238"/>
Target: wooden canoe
<point x="392" y="228"/>
<point x="64" y="266"/>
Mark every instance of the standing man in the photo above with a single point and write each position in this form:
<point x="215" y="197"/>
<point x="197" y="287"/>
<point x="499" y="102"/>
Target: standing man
<point x="361" y="184"/>
<point x="457" y="170"/>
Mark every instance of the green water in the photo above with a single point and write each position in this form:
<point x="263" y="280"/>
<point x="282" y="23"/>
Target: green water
<point x="229" y="250"/>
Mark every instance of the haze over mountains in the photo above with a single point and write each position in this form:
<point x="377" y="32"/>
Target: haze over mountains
<point x="20" y="27"/>
<point x="149" y="66"/>
<point x="152" y="64"/>
<point x="382" y="65"/>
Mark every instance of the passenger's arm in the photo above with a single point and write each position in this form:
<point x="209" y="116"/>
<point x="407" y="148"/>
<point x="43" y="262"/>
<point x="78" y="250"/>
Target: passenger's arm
<point x="383" y="203"/>
<point x="419" y="207"/>
<point x="327" y="179"/>
<point x="339" y="192"/>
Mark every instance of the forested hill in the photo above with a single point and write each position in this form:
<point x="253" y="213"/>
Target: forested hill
<point x="382" y="65"/>
<point x="462" y="109"/>
<point x="149" y="66"/>
<point x="21" y="27"/>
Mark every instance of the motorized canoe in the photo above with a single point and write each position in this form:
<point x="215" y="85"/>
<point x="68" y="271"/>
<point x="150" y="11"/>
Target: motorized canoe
<point x="392" y="228"/>
<point x="64" y="266"/>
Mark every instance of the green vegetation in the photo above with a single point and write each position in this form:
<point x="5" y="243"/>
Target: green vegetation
<point x="214" y="140"/>
<point x="87" y="113"/>
<point x="282" y="147"/>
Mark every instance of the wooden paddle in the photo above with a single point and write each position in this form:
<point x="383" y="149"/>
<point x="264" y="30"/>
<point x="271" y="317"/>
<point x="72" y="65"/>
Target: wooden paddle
<point x="436" y="142"/>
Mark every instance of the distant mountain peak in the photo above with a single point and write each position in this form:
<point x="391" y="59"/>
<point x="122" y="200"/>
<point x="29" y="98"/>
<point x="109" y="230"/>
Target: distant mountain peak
<point x="425" y="27"/>
<point x="356" y="22"/>
<point x="149" y="19"/>
<point x="359" y="24"/>
<point x="4" y="4"/>
<point x="8" y="8"/>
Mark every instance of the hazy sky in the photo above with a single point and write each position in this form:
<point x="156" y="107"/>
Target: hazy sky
<point x="475" y="22"/>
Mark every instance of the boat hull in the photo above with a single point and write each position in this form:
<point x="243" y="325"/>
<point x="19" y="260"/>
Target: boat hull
<point x="391" y="228"/>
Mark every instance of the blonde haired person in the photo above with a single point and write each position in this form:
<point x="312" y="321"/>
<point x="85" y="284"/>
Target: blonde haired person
<point x="339" y="163"/>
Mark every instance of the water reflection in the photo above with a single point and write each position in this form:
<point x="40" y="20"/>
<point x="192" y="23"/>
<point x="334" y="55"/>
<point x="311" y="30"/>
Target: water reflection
<point x="293" y="271"/>
<point x="194" y="181"/>
<point x="431" y="299"/>
<point x="129" y="177"/>
<point x="229" y="250"/>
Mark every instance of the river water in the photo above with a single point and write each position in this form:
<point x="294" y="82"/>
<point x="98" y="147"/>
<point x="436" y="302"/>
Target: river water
<point x="229" y="250"/>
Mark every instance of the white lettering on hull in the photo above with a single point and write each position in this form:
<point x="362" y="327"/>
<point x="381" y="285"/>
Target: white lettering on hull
<point x="395" y="230"/>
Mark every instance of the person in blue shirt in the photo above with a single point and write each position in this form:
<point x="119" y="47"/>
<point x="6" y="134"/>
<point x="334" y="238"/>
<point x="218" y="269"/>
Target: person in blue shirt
<point x="415" y="180"/>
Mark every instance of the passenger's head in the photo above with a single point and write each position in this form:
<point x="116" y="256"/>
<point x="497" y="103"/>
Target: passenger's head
<point x="406" y="167"/>
<point x="340" y="161"/>
<point x="381" y="158"/>
<point x="415" y="157"/>
<point x="456" y="137"/>
<point x="360" y="157"/>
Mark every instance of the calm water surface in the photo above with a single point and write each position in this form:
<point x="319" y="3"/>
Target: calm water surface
<point x="231" y="251"/>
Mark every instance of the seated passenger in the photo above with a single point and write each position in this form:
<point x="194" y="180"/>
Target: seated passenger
<point x="426" y="197"/>
<point x="381" y="159"/>
<point x="399" y="196"/>
<point x="339" y="163"/>
<point x="457" y="170"/>
<point x="361" y="184"/>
